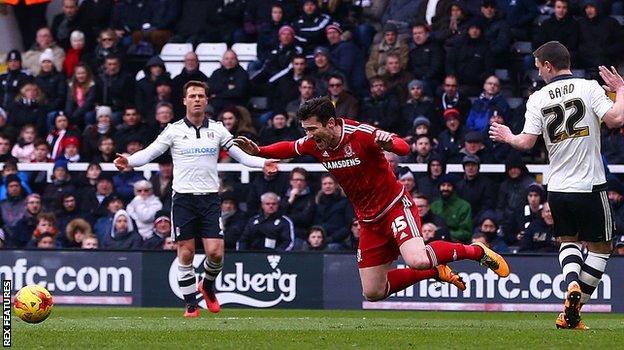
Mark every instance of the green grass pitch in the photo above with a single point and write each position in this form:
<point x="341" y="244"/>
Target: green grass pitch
<point x="165" y="328"/>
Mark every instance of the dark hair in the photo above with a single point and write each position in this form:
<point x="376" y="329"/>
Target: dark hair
<point x="196" y="83"/>
<point x="319" y="229"/>
<point x="300" y="56"/>
<point x="49" y="217"/>
<point x="336" y="76"/>
<point x="320" y="107"/>
<point x="555" y="53"/>
<point x="131" y="106"/>
<point x="308" y="80"/>
<point x="40" y="142"/>
<point x="164" y="104"/>
<point x="112" y="56"/>
<point x="422" y="24"/>
<point x="421" y="196"/>
<point x="300" y="171"/>
<point x="377" y="78"/>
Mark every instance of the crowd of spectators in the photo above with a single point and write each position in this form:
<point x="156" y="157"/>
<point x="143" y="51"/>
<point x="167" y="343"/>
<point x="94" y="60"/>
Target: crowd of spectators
<point x="423" y="69"/>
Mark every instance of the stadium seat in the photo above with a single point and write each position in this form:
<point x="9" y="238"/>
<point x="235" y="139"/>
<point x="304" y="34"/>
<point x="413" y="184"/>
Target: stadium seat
<point x="210" y="51"/>
<point x="534" y="75"/>
<point x="620" y="19"/>
<point x="244" y="64"/>
<point x="579" y="73"/>
<point x="245" y="52"/>
<point x="522" y="47"/>
<point x="540" y="19"/>
<point x="502" y="74"/>
<point x="174" y="68"/>
<point x="514" y="102"/>
<point x="175" y="52"/>
<point x="209" y="67"/>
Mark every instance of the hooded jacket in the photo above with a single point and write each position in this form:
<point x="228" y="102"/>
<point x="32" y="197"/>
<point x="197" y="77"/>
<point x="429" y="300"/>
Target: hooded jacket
<point x="600" y="41"/>
<point x="457" y="214"/>
<point x="145" y="94"/>
<point x="127" y="240"/>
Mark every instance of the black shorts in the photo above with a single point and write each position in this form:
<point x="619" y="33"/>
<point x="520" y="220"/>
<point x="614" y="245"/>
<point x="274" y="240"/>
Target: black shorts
<point x="587" y="214"/>
<point x="195" y="216"/>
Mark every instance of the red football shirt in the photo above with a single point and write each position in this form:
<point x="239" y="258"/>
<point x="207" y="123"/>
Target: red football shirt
<point x="357" y="162"/>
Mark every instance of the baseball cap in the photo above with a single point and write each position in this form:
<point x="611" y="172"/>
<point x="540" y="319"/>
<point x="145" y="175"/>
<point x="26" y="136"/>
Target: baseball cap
<point x="321" y="51"/>
<point x="390" y="27"/>
<point x="473" y="136"/>
<point x="421" y="120"/>
<point x="451" y="113"/>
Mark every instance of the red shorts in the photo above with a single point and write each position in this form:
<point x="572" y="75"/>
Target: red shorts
<point x="380" y="240"/>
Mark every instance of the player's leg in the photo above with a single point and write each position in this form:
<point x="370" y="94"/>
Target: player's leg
<point x="406" y="229"/>
<point x="213" y="264"/>
<point x="186" y="276"/>
<point x="183" y="231"/>
<point x="211" y="232"/>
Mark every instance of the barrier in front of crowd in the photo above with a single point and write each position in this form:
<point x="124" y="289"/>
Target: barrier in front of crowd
<point x="287" y="167"/>
<point x="295" y="280"/>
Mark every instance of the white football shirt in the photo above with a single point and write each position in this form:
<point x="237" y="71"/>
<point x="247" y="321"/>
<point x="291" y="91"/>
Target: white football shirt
<point x="568" y="112"/>
<point x="195" y="153"/>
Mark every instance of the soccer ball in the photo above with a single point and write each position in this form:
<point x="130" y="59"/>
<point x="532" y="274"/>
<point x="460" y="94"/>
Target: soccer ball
<point x="33" y="303"/>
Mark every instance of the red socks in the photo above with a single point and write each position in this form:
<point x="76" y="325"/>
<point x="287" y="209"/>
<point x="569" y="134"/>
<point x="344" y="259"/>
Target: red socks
<point x="399" y="279"/>
<point x="442" y="252"/>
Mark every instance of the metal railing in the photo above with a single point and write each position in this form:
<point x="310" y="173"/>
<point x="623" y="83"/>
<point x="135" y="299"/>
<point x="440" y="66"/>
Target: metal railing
<point x="287" y="167"/>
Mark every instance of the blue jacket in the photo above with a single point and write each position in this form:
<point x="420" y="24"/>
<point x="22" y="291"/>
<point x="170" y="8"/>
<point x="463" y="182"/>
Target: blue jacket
<point x="350" y="61"/>
<point x="482" y="108"/>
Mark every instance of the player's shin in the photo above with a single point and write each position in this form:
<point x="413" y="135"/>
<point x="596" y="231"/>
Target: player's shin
<point x="399" y="279"/>
<point x="442" y="252"/>
<point x="591" y="273"/>
<point x="571" y="260"/>
<point x="186" y="281"/>
<point x="212" y="270"/>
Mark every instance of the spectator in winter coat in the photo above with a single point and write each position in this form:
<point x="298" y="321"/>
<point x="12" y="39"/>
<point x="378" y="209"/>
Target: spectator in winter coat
<point x="189" y="72"/>
<point x="561" y="27"/>
<point x="75" y="53"/>
<point x="74" y="233"/>
<point x="513" y="190"/>
<point x="228" y="84"/>
<point x="19" y="235"/>
<point x="426" y="58"/>
<point x="381" y="109"/>
<point x="162" y="230"/>
<point x="233" y="218"/>
<point x="145" y="94"/>
<point x="490" y="99"/>
<point x="471" y="60"/>
<point x="515" y="225"/>
<point x="539" y="236"/>
<point x="289" y="89"/>
<point x="278" y="62"/>
<point x="315" y="240"/>
<point x="473" y="146"/>
<point x="418" y="105"/>
<point x="298" y="204"/>
<point x="347" y="58"/>
<point x="600" y="41"/>
<point x="451" y="140"/>
<point x="61" y="184"/>
<point x="13" y="208"/>
<point x="45" y="229"/>
<point x="268" y="230"/>
<point x="266" y="23"/>
<point x="346" y="105"/>
<point x="132" y="128"/>
<point x="333" y="212"/>
<point x="451" y="97"/>
<point x="428" y="217"/>
<point x="456" y="26"/>
<point x="162" y="181"/>
<point x="310" y="27"/>
<point x="122" y="234"/>
<point x="115" y="87"/>
<point x="397" y="78"/>
<point x="278" y="130"/>
<point x="52" y="84"/>
<point x="322" y="70"/>
<point x="25" y="146"/>
<point x="11" y="81"/>
<point x="81" y="94"/>
<point x="29" y="107"/>
<point x="477" y="189"/>
<point x="455" y="211"/>
<point x="435" y="14"/>
<point x="496" y="32"/>
<point x="611" y="145"/>
<point x="143" y="208"/>
<point x="276" y="183"/>
<point x="488" y="226"/>
<point x="111" y="205"/>
<point x="69" y="211"/>
<point x="519" y="14"/>
<point x="615" y="192"/>
<point x="108" y="45"/>
<point x="66" y="22"/>
<point x="429" y="184"/>
<point x="44" y="40"/>
<point x="376" y="64"/>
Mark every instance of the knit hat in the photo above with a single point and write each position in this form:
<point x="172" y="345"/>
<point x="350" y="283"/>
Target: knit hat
<point x="451" y="113"/>
<point x="405" y="173"/>
<point x="14" y="55"/>
<point x="415" y="83"/>
<point x="12" y="178"/>
<point x="473" y="136"/>
<point x="421" y="120"/>
<point x="70" y="140"/>
<point x="537" y="188"/>
<point x="321" y="51"/>
<point x="161" y="215"/>
<point x="470" y="158"/>
<point x="488" y="3"/>
<point x="390" y="27"/>
<point x="228" y="196"/>
<point x="448" y="178"/>
<point x="334" y="26"/>
<point x="60" y="163"/>
<point x="286" y="28"/>
<point x="103" y="110"/>
<point x="46" y="55"/>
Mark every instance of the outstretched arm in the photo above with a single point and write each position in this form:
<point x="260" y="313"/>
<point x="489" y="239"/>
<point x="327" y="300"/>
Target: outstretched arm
<point x="502" y="133"/>
<point x="391" y="143"/>
<point x="269" y="165"/>
<point x="279" y="150"/>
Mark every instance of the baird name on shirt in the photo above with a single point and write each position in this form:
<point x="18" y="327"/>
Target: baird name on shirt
<point x="344" y="163"/>
<point x="200" y="151"/>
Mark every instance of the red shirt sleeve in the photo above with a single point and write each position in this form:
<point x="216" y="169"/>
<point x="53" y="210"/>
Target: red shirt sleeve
<point x="399" y="146"/>
<point x="279" y="150"/>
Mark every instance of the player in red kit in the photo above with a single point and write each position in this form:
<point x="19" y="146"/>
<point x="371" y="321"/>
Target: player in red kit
<point x="390" y="225"/>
